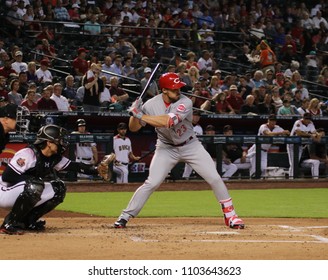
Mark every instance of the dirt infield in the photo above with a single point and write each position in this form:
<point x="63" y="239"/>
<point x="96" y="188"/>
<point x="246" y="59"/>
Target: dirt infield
<point x="79" y="237"/>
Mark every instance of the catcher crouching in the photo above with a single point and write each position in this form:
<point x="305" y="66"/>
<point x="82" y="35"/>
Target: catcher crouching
<point x="29" y="185"/>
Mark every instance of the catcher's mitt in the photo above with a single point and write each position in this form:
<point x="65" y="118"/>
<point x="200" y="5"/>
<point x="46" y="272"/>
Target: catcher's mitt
<point x="103" y="167"/>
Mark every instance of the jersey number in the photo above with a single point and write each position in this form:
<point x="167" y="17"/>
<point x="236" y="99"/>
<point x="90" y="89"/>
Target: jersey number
<point x="181" y="130"/>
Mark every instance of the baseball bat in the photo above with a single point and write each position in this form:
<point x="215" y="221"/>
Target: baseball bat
<point x="143" y="93"/>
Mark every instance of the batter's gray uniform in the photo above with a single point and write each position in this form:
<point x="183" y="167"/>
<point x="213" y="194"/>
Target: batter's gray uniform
<point x="174" y="144"/>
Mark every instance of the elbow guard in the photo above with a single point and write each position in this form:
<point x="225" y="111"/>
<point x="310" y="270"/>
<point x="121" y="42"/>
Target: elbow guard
<point x="173" y="120"/>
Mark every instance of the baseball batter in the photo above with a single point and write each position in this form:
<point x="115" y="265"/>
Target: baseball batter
<point x="123" y="153"/>
<point x="268" y="129"/>
<point x="171" y="114"/>
<point x="303" y="128"/>
<point x="29" y="185"/>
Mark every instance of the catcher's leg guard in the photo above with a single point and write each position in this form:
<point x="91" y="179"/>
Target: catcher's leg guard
<point x="31" y="221"/>
<point x="230" y="217"/>
<point x="23" y="204"/>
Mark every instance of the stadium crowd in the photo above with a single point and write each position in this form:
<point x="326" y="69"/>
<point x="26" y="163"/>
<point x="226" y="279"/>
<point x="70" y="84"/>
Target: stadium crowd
<point x="236" y="57"/>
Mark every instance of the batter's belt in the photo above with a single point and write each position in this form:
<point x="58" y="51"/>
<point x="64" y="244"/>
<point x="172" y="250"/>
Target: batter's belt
<point x="181" y="144"/>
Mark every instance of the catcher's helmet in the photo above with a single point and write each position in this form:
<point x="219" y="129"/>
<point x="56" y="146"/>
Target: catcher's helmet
<point x="53" y="133"/>
<point x="81" y="122"/>
<point x="170" y="81"/>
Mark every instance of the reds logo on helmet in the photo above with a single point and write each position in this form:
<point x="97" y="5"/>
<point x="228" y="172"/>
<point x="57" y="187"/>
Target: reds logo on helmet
<point x="170" y="81"/>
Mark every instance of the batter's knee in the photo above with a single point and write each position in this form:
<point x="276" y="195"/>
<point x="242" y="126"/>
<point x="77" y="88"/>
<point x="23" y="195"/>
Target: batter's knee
<point x="59" y="188"/>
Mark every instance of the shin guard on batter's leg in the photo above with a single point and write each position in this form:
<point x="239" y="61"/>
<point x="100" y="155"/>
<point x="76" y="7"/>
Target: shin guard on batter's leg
<point x="230" y="217"/>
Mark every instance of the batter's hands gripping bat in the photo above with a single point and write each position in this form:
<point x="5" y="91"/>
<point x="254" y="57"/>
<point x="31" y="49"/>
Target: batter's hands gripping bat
<point x="103" y="167"/>
<point x="138" y="103"/>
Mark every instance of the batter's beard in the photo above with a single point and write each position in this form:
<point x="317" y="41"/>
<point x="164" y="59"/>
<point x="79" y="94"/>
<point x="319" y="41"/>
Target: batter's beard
<point x="174" y="100"/>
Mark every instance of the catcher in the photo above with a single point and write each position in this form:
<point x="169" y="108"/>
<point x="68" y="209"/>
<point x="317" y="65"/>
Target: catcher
<point x="30" y="187"/>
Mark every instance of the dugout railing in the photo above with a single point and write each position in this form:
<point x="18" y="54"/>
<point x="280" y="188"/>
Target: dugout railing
<point x="105" y="146"/>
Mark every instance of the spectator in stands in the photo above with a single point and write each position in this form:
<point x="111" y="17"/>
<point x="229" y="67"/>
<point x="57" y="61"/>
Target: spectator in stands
<point x="205" y="61"/>
<point x="286" y="88"/>
<point x="184" y="76"/>
<point x="214" y="86"/>
<point x="45" y="103"/>
<point x="29" y="101"/>
<point x="93" y="87"/>
<point x="266" y="107"/>
<point x="267" y="57"/>
<point x="243" y="87"/>
<point x="45" y="33"/>
<point x="23" y="85"/>
<point x="128" y="70"/>
<point x="92" y="27"/>
<point x="257" y="79"/>
<point x="314" y="107"/>
<point x="43" y="74"/>
<point x="118" y="95"/>
<point x="80" y="63"/>
<point x="19" y="65"/>
<point x="233" y="156"/>
<point x="60" y="12"/>
<point x="3" y="88"/>
<point x="318" y="19"/>
<point x="15" y="21"/>
<point x="307" y="22"/>
<point x="165" y="53"/>
<point x="33" y="87"/>
<point x="147" y="49"/>
<point x="152" y="88"/>
<point x="31" y="72"/>
<point x="249" y="107"/>
<point x="6" y="71"/>
<point x="61" y="101"/>
<point x="70" y="91"/>
<point x="48" y="49"/>
<point x="105" y="98"/>
<point x="305" y="104"/>
<point x="297" y="98"/>
<point x="304" y="91"/>
<point x="287" y="109"/>
<point x="14" y="96"/>
<point x="106" y="67"/>
<point x="279" y="80"/>
<point x="234" y="99"/>
<point x="222" y="106"/>
<point x="123" y="47"/>
<point x="117" y="65"/>
<point x="141" y="70"/>
<point x="74" y="13"/>
<point x="293" y="67"/>
<point x="206" y="35"/>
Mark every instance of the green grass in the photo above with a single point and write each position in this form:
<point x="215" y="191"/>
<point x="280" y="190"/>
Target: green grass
<point x="298" y="203"/>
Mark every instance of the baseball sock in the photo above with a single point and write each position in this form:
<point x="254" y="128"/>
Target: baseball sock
<point x="227" y="209"/>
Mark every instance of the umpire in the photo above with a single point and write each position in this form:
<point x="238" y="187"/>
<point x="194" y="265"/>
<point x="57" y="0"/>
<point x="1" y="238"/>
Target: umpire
<point x="8" y="123"/>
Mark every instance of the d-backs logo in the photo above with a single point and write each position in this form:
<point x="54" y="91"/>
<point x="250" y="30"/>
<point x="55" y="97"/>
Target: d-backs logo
<point x="20" y="162"/>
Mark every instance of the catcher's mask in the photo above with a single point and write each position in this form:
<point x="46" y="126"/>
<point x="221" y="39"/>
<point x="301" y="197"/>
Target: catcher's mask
<point x="55" y="134"/>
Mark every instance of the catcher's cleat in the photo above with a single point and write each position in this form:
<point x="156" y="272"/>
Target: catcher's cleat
<point x="11" y="230"/>
<point x="121" y="223"/>
<point x="37" y="226"/>
<point x="234" y="222"/>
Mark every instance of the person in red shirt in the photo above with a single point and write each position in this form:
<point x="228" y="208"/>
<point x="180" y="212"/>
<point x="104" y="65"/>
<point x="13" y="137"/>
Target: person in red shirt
<point x="29" y="101"/>
<point x="234" y="99"/>
<point x="6" y="70"/>
<point x="45" y="103"/>
<point x="3" y="88"/>
<point x="222" y="106"/>
<point x="80" y="64"/>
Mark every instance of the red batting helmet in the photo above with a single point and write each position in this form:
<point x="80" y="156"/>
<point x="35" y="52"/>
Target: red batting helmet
<point x="170" y="81"/>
